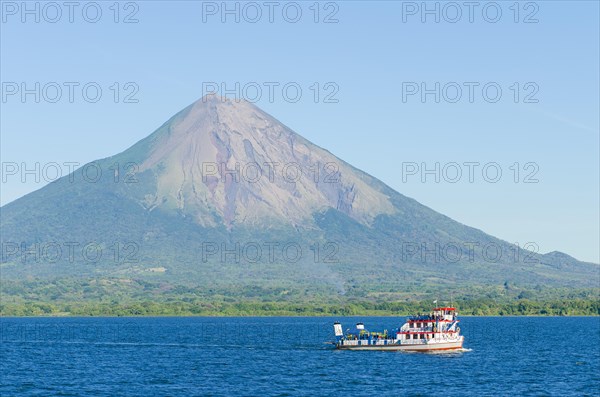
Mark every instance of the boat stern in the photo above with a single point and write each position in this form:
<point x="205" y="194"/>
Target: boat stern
<point x="339" y="333"/>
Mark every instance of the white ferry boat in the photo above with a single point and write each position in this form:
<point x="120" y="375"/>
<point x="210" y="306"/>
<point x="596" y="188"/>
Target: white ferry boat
<point x="435" y="331"/>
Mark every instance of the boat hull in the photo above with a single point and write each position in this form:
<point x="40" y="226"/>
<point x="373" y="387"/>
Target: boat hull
<point x="444" y="346"/>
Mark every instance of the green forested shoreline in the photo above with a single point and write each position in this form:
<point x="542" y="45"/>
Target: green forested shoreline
<point x="134" y="297"/>
<point x="578" y="307"/>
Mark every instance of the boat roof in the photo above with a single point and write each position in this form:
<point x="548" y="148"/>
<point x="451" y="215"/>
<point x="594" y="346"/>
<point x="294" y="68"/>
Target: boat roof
<point x="444" y="308"/>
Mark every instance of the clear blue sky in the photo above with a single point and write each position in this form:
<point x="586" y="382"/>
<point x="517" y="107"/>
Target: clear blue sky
<point x="369" y="53"/>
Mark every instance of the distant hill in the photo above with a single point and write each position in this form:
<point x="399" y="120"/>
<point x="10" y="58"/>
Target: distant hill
<point x="225" y="197"/>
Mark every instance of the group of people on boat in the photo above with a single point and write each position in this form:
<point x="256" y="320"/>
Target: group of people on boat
<point x="363" y="334"/>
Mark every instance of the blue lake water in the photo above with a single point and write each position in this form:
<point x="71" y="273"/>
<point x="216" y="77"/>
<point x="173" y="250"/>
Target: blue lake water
<point x="287" y="356"/>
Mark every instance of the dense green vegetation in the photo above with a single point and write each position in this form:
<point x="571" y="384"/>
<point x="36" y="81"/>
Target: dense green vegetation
<point x="126" y="297"/>
<point x="482" y="307"/>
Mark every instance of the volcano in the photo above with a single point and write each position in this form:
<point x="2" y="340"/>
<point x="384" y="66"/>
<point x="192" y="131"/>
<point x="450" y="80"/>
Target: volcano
<point x="223" y="195"/>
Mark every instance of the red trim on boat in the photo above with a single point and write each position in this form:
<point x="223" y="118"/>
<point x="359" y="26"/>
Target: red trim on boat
<point x="431" y="321"/>
<point x="424" y="332"/>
